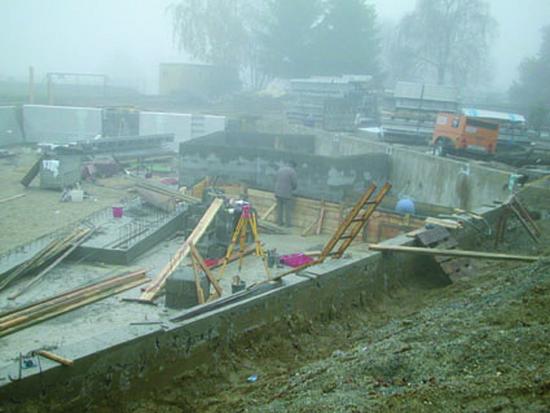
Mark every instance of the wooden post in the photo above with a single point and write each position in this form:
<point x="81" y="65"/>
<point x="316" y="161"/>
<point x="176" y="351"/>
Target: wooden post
<point x="31" y="84"/>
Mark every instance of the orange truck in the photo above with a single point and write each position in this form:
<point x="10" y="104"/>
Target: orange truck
<point x="457" y="133"/>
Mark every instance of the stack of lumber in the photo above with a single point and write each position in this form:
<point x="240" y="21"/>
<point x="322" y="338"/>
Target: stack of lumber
<point x="162" y="190"/>
<point x="23" y="317"/>
<point x="444" y="222"/>
<point x="54" y="249"/>
<point x="164" y="202"/>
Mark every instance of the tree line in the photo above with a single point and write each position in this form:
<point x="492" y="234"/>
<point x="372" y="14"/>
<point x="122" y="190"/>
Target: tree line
<point x="440" y="41"/>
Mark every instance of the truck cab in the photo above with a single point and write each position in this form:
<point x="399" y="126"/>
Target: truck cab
<point x="457" y="133"/>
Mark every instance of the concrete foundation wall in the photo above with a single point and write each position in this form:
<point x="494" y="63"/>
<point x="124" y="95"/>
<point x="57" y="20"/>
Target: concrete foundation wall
<point x="184" y="126"/>
<point x="60" y="124"/>
<point x="10" y="129"/>
<point x="255" y="158"/>
<point x="428" y="178"/>
<point x="447" y="182"/>
<point x="203" y="125"/>
<point x="157" y="122"/>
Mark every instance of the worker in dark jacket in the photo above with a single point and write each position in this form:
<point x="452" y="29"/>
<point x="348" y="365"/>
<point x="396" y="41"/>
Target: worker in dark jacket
<point x="285" y="185"/>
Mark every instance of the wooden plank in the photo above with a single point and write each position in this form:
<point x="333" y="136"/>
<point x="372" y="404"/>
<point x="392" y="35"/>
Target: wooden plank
<point x="11" y="198"/>
<point x="153" y="290"/>
<point x="452" y="253"/>
<point x="267" y="213"/>
<point x="447" y="223"/>
<point x="200" y="261"/>
<point x="54" y="357"/>
<point x="200" y="292"/>
<point x="433" y="236"/>
<point x="35" y="313"/>
<point x="31" y="174"/>
<point x="159" y="200"/>
<point x="54" y="264"/>
<point x="321" y="220"/>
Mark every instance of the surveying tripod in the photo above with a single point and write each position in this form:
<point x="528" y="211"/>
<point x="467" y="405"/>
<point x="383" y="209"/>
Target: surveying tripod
<point x="247" y="219"/>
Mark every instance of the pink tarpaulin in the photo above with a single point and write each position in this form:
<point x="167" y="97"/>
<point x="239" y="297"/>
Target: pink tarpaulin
<point x="295" y="260"/>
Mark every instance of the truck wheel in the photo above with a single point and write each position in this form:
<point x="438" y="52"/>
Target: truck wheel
<point x="439" y="148"/>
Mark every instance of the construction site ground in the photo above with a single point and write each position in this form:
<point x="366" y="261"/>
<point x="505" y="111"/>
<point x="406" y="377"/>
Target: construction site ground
<point x="478" y="345"/>
<point x="108" y="321"/>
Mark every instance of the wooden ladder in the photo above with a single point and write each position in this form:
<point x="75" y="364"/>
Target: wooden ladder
<point x="524" y="218"/>
<point x="354" y="222"/>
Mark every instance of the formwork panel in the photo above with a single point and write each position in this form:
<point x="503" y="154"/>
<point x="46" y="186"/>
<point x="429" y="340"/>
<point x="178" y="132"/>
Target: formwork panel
<point x="10" y="129"/>
<point x="60" y="124"/>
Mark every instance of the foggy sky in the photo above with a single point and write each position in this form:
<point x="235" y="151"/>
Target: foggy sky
<point x="127" y="39"/>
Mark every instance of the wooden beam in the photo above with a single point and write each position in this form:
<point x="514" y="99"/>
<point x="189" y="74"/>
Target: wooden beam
<point x="200" y="261"/>
<point x="154" y="289"/>
<point x="20" y="318"/>
<point x="321" y="219"/>
<point x="267" y="213"/>
<point x="86" y="235"/>
<point x="200" y="292"/>
<point x="159" y="200"/>
<point x="54" y="357"/>
<point x="452" y="253"/>
<point x="11" y="198"/>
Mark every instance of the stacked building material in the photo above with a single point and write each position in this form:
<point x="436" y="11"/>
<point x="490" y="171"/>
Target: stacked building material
<point x="330" y="102"/>
<point x="51" y="251"/>
<point x="23" y="317"/>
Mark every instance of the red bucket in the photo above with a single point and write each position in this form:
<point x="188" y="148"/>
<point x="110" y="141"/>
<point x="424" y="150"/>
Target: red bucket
<point x="118" y="211"/>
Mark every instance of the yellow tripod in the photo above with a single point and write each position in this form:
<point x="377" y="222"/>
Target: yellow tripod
<point x="247" y="219"/>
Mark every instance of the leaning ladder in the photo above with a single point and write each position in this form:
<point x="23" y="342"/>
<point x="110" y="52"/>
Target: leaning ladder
<point x="354" y="222"/>
<point x="346" y="232"/>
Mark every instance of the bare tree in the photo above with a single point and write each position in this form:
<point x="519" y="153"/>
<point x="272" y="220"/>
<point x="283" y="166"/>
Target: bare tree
<point x="446" y="39"/>
<point x="221" y="32"/>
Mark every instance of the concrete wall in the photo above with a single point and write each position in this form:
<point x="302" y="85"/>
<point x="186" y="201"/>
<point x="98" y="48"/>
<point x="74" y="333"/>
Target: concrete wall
<point x="184" y="126"/>
<point x="179" y="124"/>
<point x="447" y="182"/>
<point x="428" y="178"/>
<point x="10" y="129"/>
<point x="60" y="124"/>
<point x="254" y="158"/>
<point x="203" y="125"/>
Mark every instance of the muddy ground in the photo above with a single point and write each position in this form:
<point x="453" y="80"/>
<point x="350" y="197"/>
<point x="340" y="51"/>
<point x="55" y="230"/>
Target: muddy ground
<point x="481" y="344"/>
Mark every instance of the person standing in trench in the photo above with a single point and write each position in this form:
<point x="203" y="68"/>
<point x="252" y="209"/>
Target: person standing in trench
<point x="285" y="184"/>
